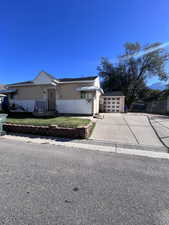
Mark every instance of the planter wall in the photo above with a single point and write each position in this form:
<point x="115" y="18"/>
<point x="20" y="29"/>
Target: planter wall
<point x="80" y="133"/>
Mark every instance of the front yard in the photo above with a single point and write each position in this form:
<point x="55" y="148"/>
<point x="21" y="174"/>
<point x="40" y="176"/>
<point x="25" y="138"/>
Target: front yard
<point x="59" y="126"/>
<point x="61" y="121"/>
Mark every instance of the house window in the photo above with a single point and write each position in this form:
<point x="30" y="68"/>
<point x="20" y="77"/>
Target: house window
<point x="12" y="95"/>
<point x="83" y="94"/>
<point x="86" y="95"/>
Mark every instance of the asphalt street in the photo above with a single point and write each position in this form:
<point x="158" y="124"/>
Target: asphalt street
<point x="44" y="184"/>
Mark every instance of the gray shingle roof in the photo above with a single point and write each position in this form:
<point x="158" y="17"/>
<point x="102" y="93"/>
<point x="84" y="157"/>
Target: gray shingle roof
<point x="113" y="93"/>
<point x="61" y="80"/>
<point x="78" y="78"/>
<point x="25" y="82"/>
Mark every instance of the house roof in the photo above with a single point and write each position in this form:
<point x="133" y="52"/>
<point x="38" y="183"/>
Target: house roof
<point x="78" y="78"/>
<point x="157" y="96"/>
<point x="25" y="82"/>
<point x="59" y="80"/>
<point x="113" y="93"/>
<point x="5" y="91"/>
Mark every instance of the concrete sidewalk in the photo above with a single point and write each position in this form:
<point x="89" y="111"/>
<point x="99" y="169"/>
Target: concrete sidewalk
<point x="160" y="124"/>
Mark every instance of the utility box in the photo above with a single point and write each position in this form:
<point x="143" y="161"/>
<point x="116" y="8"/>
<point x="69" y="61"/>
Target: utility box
<point x="2" y="121"/>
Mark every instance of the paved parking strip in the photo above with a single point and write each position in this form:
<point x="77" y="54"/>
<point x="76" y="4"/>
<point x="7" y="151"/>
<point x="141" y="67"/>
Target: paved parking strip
<point x="113" y="128"/>
<point x="126" y="128"/>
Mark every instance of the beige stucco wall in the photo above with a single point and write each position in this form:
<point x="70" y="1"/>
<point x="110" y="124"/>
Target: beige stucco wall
<point x="68" y="91"/>
<point x="29" y="93"/>
<point x="39" y="92"/>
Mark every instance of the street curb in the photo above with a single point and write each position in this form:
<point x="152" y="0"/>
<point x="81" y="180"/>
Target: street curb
<point x="157" y="134"/>
<point x="88" y="147"/>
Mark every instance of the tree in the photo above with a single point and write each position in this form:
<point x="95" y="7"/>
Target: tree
<point x="134" y="67"/>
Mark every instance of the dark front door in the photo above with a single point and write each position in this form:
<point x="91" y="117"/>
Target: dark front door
<point x="51" y="99"/>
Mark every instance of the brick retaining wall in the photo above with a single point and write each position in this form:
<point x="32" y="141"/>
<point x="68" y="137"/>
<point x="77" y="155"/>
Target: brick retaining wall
<point x="80" y="133"/>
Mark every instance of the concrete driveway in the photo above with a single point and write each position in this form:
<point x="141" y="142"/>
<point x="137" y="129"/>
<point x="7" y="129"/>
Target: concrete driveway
<point x="128" y="128"/>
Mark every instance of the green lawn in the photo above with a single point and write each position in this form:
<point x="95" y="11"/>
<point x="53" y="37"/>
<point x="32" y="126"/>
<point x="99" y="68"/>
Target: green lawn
<point x="60" y="121"/>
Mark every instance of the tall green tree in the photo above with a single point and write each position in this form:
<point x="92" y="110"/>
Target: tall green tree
<point x="132" y="69"/>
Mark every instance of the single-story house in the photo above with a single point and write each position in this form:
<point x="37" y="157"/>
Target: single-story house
<point x="112" y="102"/>
<point x="47" y="93"/>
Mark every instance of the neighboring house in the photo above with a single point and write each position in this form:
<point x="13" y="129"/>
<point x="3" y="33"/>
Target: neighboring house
<point x="138" y="106"/>
<point x="47" y="93"/>
<point x="2" y="87"/>
<point x="1" y="100"/>
<point x="112" y="102"/>
<point x="157" y="104"/>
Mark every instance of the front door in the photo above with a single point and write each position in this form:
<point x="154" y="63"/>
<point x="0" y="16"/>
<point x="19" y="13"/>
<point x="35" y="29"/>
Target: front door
<point x="51" y="99"/>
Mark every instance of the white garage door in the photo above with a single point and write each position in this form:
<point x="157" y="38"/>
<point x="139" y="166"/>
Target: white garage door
<point x="111" y="104"/>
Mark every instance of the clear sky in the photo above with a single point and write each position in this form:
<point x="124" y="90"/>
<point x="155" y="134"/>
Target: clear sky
<point x="66" y="38"/>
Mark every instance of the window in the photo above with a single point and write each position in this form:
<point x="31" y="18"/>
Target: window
<point x="83" y="94"/>
<point x="86" y="95"/>
<point x="12" y="95"/>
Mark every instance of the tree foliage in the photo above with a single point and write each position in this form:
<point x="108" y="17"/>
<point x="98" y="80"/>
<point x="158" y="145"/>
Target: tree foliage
<point x="134" y="67"/>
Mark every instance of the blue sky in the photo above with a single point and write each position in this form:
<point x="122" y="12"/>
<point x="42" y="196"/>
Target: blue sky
<point x="66" y="38"/>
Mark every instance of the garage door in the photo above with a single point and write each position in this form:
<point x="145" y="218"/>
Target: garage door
<point x="111" y="104"/>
